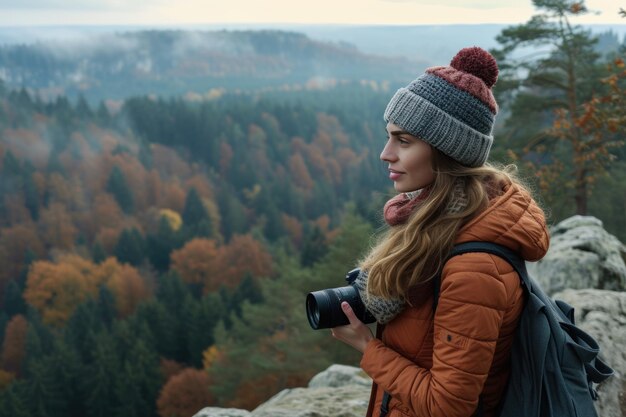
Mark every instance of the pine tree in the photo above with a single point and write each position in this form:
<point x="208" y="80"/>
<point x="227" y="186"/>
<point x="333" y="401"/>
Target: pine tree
<point x="100" y="377"/>
<point x="14" y="400"/>
<point x="97" y="253"/>
<point x="137" y="384"/>
<point x="548" y="91"/>
<point x="66" y="374"/>
<point x="130" y="247"/>
<point x="13" y="300"/>
<point x="314" y="248"/>
<point x="44" y="392"/>
<point x="160" y="245"/>
<point x="118" y="186"/>
<point x="196" y="220"/>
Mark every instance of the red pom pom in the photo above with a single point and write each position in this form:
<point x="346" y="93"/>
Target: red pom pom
<point x="478" y="62"/>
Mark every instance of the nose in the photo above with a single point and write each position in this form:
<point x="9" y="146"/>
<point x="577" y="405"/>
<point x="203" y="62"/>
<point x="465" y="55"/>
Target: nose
<point x="388" y="154"/>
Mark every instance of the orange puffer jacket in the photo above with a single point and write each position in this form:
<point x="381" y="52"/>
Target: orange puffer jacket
<point x="439" y="366"/>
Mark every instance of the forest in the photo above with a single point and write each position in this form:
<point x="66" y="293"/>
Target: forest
<point x="156" y="255"/>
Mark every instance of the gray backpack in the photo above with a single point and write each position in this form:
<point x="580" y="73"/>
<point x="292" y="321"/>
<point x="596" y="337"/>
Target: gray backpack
<point x="554" y="364"/>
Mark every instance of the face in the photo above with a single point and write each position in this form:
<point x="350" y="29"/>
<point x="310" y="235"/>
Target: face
<point x="409" y="160"/>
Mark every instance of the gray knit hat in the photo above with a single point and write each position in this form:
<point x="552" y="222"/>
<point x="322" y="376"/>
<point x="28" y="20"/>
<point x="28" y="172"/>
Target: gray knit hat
<point x="452" y="108"/>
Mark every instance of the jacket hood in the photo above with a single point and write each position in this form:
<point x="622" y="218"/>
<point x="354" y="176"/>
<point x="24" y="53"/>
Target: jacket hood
<point x="512" y="219"/>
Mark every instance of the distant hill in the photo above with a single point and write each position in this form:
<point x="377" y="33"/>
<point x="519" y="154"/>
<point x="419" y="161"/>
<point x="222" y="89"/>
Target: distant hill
<point x="121" y="61"/>
<point x="175" y="62"/>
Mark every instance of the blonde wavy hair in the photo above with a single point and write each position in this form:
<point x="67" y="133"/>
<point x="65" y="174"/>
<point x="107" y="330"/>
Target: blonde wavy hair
<point x="412" y="253"/>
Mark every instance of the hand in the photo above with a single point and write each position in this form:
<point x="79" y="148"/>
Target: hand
<point x="355" y="334"/>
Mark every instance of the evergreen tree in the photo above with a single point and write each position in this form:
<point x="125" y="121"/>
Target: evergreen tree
<point x="66" y="374"/>
<point x="102" y="114"/>
<point x="160" y="245"/>
<point x="13" y="300"/>
<point x="172" y="294"/>
<point x="31" y="196"/>
<point x="139" y="380"/>
<point x="83" y="111"/>
<point x="164" y="328"/>
<point x="44" y="393"/>
<point x="14" y="400"/>
<point x="130" y="247"/>
<point x="315" y="246"/>
<point x="100" y="377"/>
<point x="97" y="253"/>
<point x="40" y="339"/>
<point x="118" y="186"/>
<point x="203" y="315"/>
<point x="4" y="319"/>
<point x="105" y="306"/>
<point x="549" y="90"/>
<point x="81" y="328"/>
<point x="196" y="220"/>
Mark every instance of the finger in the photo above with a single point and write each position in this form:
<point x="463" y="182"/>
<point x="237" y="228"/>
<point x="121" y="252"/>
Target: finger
<point x="347" y="310"/>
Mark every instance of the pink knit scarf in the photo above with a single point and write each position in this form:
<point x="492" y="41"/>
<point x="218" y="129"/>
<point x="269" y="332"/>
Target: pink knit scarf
<point x="399" y="208"/>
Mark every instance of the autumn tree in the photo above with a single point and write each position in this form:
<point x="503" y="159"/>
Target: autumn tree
<point x="198" y="263"/>
<point x="243" y="256"/>
<point x="56" y="227"/>
<point x="13" y="347"/>
<point x="185" y="394"/>
<point x="56" y="289"/>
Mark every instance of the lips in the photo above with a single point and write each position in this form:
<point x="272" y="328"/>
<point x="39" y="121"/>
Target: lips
<point x="394" y="175"/>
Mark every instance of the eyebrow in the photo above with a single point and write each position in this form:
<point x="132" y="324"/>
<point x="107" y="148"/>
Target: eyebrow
<point x="397" y="132"/>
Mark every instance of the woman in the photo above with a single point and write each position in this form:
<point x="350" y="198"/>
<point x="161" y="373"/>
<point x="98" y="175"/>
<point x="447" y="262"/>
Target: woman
<point x="454" y="361"/>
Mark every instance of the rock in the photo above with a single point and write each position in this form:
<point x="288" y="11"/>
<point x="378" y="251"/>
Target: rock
<point x="346" y="401"/>
<point x="582" y="255"/>
<point x="602" y="314"/>
<point x="222" y="412"/>
<point x="340" y="390"/>
<point x="340" y="375"/>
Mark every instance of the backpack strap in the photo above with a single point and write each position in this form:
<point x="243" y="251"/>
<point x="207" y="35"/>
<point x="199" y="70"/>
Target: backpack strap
<point x="487" y="247"/>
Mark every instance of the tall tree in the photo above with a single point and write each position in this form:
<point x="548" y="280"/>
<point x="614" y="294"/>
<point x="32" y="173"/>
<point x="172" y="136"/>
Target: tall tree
<point x="556" y="78"/>
<point x="130" y="247"/>
<point x="118" y="186"/>
<point x="196" y="219"/>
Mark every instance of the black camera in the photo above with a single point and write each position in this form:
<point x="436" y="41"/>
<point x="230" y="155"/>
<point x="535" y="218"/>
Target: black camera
<point x="323" y="308"/>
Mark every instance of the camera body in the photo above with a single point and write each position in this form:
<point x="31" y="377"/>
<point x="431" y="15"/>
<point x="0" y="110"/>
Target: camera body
<point x="323" y="308"/>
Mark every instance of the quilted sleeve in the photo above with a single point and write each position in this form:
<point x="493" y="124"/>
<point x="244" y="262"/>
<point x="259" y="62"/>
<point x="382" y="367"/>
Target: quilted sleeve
<point x="471" y="308"/>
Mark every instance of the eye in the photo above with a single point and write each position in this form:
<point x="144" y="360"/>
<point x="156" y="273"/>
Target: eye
<point x="403" y="141"/>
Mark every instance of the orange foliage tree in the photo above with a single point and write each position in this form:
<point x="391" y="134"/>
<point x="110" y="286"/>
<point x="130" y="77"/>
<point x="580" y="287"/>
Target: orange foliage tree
<point x="56" y="289"/>
<point x="203" y="263"/>
<point x="14" y="343"/>
<point x="244" y="255"/>
<point x="185" y="394"/>
<point x="56" y="227"/>
<point x="198" y="263"/>
<point x="593" y="129"/>
<point x="126" y="284"/>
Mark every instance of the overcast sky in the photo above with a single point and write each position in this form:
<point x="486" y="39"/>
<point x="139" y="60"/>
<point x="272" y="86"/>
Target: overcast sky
<point x="175" y="12"/>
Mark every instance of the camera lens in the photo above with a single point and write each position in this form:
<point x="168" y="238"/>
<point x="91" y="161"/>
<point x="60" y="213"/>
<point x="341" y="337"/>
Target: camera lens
<point x="312" y="311"/>
<point x="323" y="307"/>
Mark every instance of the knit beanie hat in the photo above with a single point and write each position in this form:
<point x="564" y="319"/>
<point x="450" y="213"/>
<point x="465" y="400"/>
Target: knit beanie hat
<point x="452" y="108"/>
